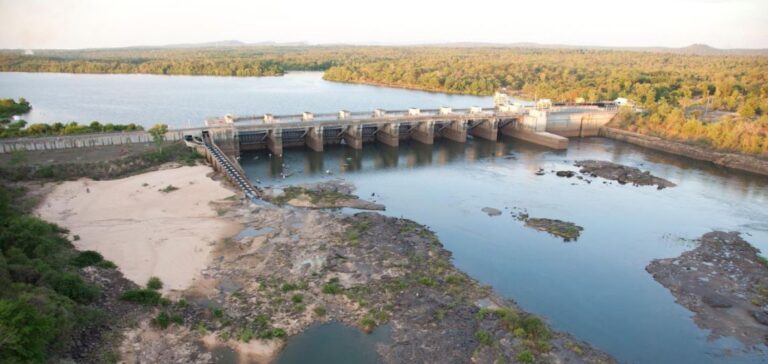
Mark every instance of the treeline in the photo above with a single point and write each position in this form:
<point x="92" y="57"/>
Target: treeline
<point x="17" y="129"/>
<point x="672" y="89"/>
<point x="214" y="62"/>
<point x="44" y="301"/>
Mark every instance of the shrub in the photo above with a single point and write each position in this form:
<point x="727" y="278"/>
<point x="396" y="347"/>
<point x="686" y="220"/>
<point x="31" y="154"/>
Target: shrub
<point x="332" y="287"/>
<point x="427" y="281"/>
<point x="154" y="283"/>
<point x="169" y="188"/>
<point x="484" y="337"/>
<point x="143" y="296"/>
<point x="319" y="311"/>
<point x="87" y="258"/>
<point x="297" y="298"/>
<point x="525" y="357"/>
<point x="246" y="334"/>
<point x="73" y="286"/>
<point x="163" y="320"/>
<point x="287" y="287"/>
<point x="535" y="327"/>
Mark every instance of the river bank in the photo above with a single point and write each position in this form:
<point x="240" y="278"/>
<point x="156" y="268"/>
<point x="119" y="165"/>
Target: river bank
<point x="731" y="160"/>
<point x="291" y="268"/>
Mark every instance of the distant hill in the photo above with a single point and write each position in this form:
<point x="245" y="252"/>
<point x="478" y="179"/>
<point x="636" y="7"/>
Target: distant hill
<point x="697" y="49"/>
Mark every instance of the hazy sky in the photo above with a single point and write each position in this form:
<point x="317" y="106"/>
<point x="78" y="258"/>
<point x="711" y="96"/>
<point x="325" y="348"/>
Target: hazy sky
<point x="105" y="23"/>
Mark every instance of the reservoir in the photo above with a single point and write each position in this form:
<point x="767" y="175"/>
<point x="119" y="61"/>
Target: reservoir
<point x="595" y="288"/>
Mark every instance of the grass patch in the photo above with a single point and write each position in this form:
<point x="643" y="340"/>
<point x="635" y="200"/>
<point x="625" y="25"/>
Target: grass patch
<point x="332" y="287"/>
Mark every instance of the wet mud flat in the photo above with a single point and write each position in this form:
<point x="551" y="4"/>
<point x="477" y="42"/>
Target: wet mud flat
<point x="724" y="281"/>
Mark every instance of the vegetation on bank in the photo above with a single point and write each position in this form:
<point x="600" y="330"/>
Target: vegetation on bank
<point x="44" y="301"/>
<point x="11" y="107"/>
<point x="20" y="128"/>
<point x="720" y="101"/>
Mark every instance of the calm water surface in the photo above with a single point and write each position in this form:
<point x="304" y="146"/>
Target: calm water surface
<point x="181" y="101"/>
<point x="596" y="288"/>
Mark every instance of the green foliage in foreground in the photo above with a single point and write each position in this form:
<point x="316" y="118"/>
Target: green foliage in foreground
<point x="42" y="295"/>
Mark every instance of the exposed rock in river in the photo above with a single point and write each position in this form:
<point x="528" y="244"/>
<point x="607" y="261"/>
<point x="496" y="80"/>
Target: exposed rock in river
<point x="363" y="270"/>
<point x="491" y="211"/>
<point x="724" y="282"/>
<point x="564" y="229"/>
<point x="331" y="194"/>
<point x="622" y="174"/>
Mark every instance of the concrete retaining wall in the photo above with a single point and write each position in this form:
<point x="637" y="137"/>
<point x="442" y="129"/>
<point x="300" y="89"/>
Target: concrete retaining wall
<point x="83" y="140"/>
<point x="731" y="160"/>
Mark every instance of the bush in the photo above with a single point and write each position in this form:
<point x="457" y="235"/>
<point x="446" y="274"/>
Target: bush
<point x="163" y="320"/>
<point x="525" y="357"/>
<point x="484" y="337"/>
<point x="169" y="188"/>
<point x="154" y="283"/>
<point x="72" y="286"/>
<point x="319" y="311"/>
<point x="287" y="287"/>
<point x="87" y="258"/>
<point x="26" y="331"/>
<point x="297" y="298"/>
<point x="143" y="296"/>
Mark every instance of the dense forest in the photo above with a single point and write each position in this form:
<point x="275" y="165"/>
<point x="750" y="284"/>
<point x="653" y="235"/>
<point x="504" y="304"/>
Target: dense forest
<point x="715" y="100"/>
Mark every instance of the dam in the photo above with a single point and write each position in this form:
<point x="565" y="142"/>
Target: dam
<point x="545" y="124"/>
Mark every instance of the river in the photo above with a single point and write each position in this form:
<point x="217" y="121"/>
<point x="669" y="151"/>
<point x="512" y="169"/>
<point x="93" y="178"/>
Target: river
<point x="595" y="288"/>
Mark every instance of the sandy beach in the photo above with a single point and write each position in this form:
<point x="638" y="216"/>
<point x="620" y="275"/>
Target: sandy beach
<point x="145" y="231"/>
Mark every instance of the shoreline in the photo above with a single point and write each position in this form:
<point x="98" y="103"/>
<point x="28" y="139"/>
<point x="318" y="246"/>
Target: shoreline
<point x="141" y="225"/>
<point x="297" y="267"/>
<point x="741" y="162"/>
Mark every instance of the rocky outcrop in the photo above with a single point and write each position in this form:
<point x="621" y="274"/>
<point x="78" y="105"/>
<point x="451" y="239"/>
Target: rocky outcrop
<point x="724" y="282"/>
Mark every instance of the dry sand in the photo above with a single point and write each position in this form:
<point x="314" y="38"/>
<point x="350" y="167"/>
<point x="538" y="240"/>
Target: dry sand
<point x="144" y="231"/>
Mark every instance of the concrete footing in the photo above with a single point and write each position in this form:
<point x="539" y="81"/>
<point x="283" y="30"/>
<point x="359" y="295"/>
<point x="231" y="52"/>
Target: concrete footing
<point x="389" y="134"/>
<point x="353" y="136"/>
<point x="456" y="131"/>
<point x="537" y="137"/>
<point x="487" y="129"/>
<point x="314" y="138"/>
<point x="424" y="132"/>
<point x="275" y="142"/>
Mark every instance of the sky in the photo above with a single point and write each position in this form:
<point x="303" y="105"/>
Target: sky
<point x="35" y="24"/>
